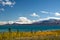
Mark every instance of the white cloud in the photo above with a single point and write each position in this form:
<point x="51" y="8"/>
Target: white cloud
<point x="6" y="22"/>
<point x="44" y="12"/>
<point x="49" y="18"/>
<point x="35" y="15"/>
<point x="57" y="14"/>
<point x="24" y="20"/>
<point x="52" y="18"/>
<point x="9" y="3"/>
<point x="3" y="23"/>
<point x="10" y="22"/>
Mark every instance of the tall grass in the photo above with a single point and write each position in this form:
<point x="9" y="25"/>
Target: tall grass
<point x="31" y="35"/>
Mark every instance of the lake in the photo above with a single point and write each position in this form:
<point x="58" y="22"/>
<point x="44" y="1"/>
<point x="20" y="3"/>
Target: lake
<point x="29" y="28"/>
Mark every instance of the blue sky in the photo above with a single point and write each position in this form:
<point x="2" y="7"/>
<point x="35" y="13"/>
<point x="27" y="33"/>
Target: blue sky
<point x="32" y="9"/>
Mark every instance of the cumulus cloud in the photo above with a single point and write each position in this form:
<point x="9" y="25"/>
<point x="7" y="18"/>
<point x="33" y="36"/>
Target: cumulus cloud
<point x="57" y="14"/>
<point x="10" y="22"/>
<point x="35" y="15"/>
<point x="44" y="12"/>
<point x="24" y="20"/>
<point x="9" y="3"/>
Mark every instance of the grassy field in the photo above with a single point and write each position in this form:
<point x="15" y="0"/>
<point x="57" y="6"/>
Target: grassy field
<point x="39" y="35"/>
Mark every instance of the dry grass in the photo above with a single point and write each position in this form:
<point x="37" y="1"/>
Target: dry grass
<point x="39" y="35"/>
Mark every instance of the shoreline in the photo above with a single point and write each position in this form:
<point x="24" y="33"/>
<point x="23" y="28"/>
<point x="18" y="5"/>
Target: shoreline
<point x="14" y="30"/>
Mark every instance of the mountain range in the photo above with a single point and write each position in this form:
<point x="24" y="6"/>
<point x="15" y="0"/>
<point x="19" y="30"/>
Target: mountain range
<point x="44" y="22"/>
<point x="48" y="22"/>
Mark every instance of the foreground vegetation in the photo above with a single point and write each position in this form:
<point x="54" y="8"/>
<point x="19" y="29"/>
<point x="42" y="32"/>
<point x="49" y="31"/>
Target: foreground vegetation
<point x="39" y="35"/>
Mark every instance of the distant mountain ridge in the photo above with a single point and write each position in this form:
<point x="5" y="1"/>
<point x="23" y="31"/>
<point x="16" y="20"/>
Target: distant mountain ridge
<point x="48" y="22"/>
<point x="44" y="22"/>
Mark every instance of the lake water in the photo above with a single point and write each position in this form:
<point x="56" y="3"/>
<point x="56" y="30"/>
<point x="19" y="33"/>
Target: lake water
<point x="29" y="28"/>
